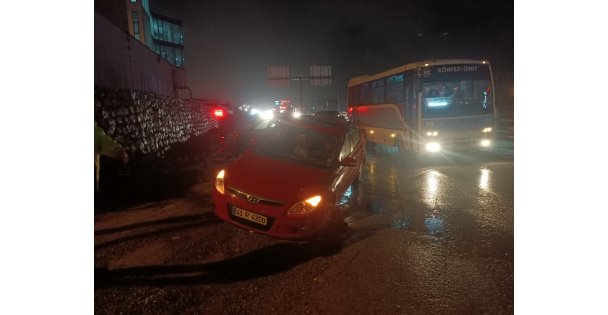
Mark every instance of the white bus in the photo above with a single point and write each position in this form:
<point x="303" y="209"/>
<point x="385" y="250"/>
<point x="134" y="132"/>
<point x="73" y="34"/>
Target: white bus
<point x="427" y="106"/>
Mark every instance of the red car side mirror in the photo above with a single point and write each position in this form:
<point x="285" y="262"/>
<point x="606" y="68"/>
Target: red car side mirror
<point x="348" y="161"/>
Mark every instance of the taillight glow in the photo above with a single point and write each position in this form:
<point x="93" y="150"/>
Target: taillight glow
<point x="218" y="113"/>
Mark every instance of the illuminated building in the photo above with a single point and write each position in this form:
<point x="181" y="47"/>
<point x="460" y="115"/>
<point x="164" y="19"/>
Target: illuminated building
<point x="162" y="34"/>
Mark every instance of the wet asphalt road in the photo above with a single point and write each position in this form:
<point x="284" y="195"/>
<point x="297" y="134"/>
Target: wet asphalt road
<point x="442" y="233"/>
<point x="427" y="236"/>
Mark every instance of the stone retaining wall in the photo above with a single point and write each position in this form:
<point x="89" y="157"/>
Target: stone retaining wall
<point x="147" y="124"/>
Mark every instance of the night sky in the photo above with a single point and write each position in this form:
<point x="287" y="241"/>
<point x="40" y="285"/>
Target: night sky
<point x="230" y="43"/>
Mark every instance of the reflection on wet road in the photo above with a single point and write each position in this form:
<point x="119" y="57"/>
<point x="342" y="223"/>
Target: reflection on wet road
<point x="446" y="227"/>
<point x="430" y="198"/>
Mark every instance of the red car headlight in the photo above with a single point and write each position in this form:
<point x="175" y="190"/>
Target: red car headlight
<point x="305" y="207"/>
<point x="219" y="182"/>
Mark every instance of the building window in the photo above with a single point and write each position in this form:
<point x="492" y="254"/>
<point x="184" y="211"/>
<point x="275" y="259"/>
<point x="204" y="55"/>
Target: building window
<point x="176" y="34"/>
<point x="155" y="28"/>
<point x="179" y="61"/>
<point x="169" y="33"/>
<point x="135" y="16"/>
<point x="161" y="30"/>
<point x="171" y="55"/>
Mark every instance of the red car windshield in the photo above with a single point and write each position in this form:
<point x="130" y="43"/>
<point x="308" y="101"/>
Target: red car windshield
<point x="292" y="143"/>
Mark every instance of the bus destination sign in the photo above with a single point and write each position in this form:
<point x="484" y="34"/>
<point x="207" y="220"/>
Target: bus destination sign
<point x="466" y="68"/>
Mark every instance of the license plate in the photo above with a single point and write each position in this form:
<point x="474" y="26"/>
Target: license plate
<point x="250" y="216"/>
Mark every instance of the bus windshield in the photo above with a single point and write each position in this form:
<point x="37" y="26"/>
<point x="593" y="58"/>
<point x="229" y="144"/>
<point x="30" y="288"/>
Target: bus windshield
<point x="457" y="98"/>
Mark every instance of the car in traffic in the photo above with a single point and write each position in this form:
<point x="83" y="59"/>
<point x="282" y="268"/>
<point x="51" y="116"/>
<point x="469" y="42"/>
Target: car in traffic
<point x="290" y="183"/>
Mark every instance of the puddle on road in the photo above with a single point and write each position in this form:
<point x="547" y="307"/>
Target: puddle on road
<point x="433" y="224"/>
<point x="413" y="221"/>
<point x="401" y="223"/>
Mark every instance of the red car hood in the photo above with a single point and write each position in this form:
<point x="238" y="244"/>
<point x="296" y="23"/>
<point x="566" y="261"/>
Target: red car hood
<point x="276" y="179"/>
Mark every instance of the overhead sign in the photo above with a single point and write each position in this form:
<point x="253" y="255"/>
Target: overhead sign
<point x="320" y="75"/>
<point x="278" y="76"/>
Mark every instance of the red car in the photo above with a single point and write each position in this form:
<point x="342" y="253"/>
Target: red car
<point x="291" y="183"/>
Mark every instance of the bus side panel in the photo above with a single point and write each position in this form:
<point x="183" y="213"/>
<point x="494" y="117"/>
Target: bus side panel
<point x="381" y="123"/>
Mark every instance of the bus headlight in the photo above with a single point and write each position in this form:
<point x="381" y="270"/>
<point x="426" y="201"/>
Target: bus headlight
<point x="485" y="143"/>
<point x="433" y="147"/>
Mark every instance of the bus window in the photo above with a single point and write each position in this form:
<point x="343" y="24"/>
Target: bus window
<point x="394" y="89"/>
<point x="466" y="97"/>
<point x="411" y="118"/>
<point x="378" y="91"/>
<point x="364" y="94"/>
<point x="353" y="95"/>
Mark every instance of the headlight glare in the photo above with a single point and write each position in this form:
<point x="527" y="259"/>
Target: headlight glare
<point x="433" y="147"/>
<point x="305" y="207"/>
<point x="314" y="201"/>
<point x="219" y="182"/>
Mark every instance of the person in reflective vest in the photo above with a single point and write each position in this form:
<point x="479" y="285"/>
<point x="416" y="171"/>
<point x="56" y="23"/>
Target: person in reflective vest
<point x="105" y="145"/>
